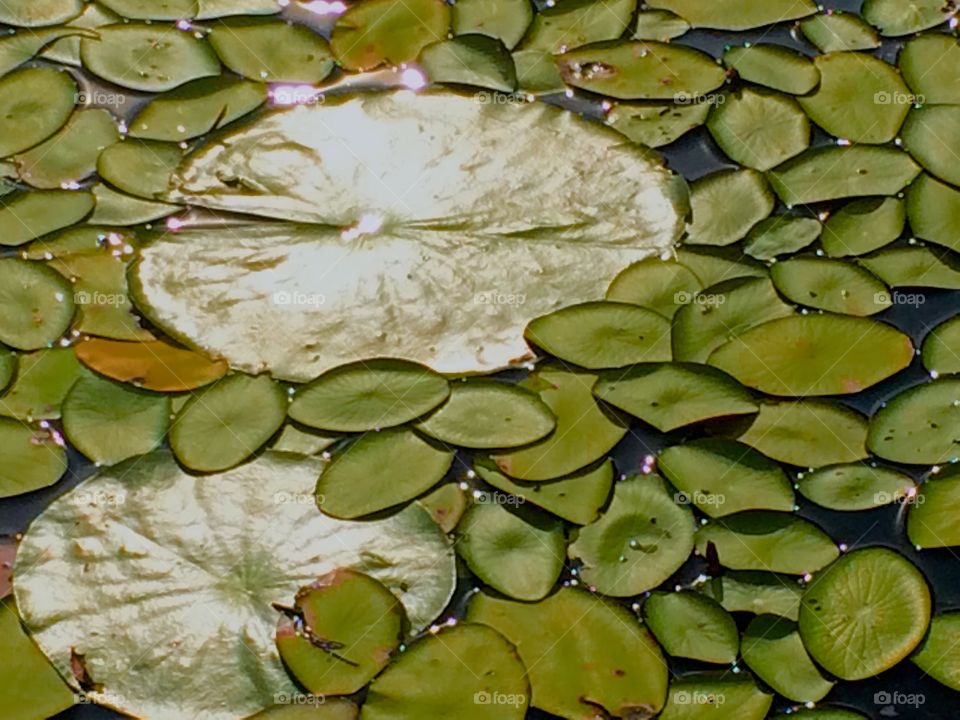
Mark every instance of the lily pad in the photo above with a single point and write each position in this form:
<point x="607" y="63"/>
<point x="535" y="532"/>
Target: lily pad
<point x="517" y="553"/>
<point x="928" y="65"/>
<point x="930" y="134"/>
<point x="142" y="168"/>
<point x="774" y="66"/>
<point x="71" y="154"/>
<point x="934" y="211"/>
<point x="772" y="648"/>
<point x="895" y="18"/>
<point x="715" y="265"/>
<point x="865" y="613"/>
<point x="446" y="505"/>
<point x="810" y="433"/>
<point x="489" y="414"/>
<point x="269" y="50"/>
<point x="198" y="573"/>
<point x="941" y="348"/>
<point x="37" y="302"/>
<point x="379" y="471"/>
<point x="660" y="285"/>
<point x="537" y="73"/>
<point x="483" y="680"/>
<point x="805" y="355"/>
<point x="706" y="697"/>
<point x="475" y="60"/>
<point x="116" y="208"/>
<point x="781" y="235"/>
<point x="769" y="541"/>
<point x="28" y="215"/>
<point x="43" y="380"/>
<point x="832" y="285"/>
<point x="330" y="709"/>
<point x="726" y="204"/>
<point x="736" y="14"/>
<point x="638" y="542"/>
<point x="67" y="49"/>
<point x="18" y="48"/>
<point x="152" y="365"/>
<point x="836" y="31"/>
<point x="821" y="713"/>
<point x="722" y="477"/>
<point x="8" y="367"/>
<point x="931" y="522"/>
<point x="293" y="439"/>
<point x="914" y="267"/>
<point x="152" y="10"/>
<point x="862" y="226"/>
<point x="919" y="425"/>
<point x="656" y="125"/>
<point x="34" y="104"/>
<point x="573" y="24"/>
<point x="760" y="593"/>
<point x="582" y="653"/>
<point x="505" y="20"/>
<point x="32" y="458"/>
<point x="937" y="654"/>
<point x="855" y="486"/>
<point x="759" y="128"/>
<point x="659" y="25"/>
<point x="228" y="422"/>
<point x="691" y="625"/>
<point x="38" y="13"/>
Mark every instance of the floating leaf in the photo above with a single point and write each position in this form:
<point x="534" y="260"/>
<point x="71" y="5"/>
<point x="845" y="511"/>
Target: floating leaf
<point x="446" y="505"/>
<point x="830" y="173"/>
<point x="201" y="571"/>
<point x="115" y="208"/>
<point x="483" y="680"/>
<point x="638" y="542"/>
<point x="43" y="380"/>
<point x="660" y="285"/>
<point x="919" y="425"/>
<point x="809" y="433"/>
<point x="355" y="483"/>
<point x="855" y="486"/>
<point x="8" y="367"/>
<point x="697" y="697"/>
<point x="691" y="625"/>
<point x="930" y="134"/>
<point x="517" y="553"/>
<point x="770" y="541"/>
<point x="573" y="24"/>
<point x="655" y="125"/>
<point x="149" y="57"/>
<point x="839" y="31"/>
<point x="931" y="522"/>
<point x="941" y="348"/>
<point x="293" y="439"/>
<point x="34" y="104"/>
<point x="110" y="422"/>
<point x="582" y="653"/>
<point x="331" y="709"/>
<point x="937" y="655"/>
<point x="369" y="395"/>
<point x="821" y="713"/>
<point x="37" y="13"/>
<point x="475" y="60"/>
<point x="220" y="8"/>
<point x="774" y="66"/>
<point x="28" y="215"/>
<point x="142" y="168"/>
<point x="18" y="48"/>
<point x="759" y="128"/>
<point x="71" y="154"/>
<point x="659" y="25"/>
<point x="505" y="20"/>
<point x="914" y="267"/>
<point x="152" y="365"/>
<point x="832" y="285"/>
<point x="781" y="235"/>
<point x="806" y="355"/>
<point x="736" y="14"/>
<point x="67" y="49"/>
<point x="772" y="648"/>
<point x="344" y="629"/>
<point x="489" y="414"/>
<point x="715" y="265"/>
<point x="726" y="204"/>
<point x="862" y="226"/>
<point x="30" y="458"/>
<point x="894" y="17"/>
<point x="928" y="63"/>
<point x="934" y="211"/>
<point x="722" y="477"/>
<point x="865" y="613"/>
<point x="37" y="304"/>
<point x="760" y="593"/>
<point x="537" y="73"/>
<point x="641" y="70"/>
<point x="271" y="50"/>
<point x="151" y="10"/>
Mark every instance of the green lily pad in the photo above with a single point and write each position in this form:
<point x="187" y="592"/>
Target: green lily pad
<point x="375" y="32"/>
<point x="930" y="135"/>
<point x="228" y="422"/>
<point x="110" y="422"/>
<point x="38" y="13"/>
<point x="641" y="70"/>
<point x="914" y="267"/>
<point x="8" y="367"/>
<point x="663" y="286"/>
<point x="723" y="477"/>
<point x="489" y="414"/>
<point x="821" y="713"/>
<point x="142" y="168"/>
<point x="582" y="653"/>
<point x="197" y="108"/>
<point x="152" y="365"/>
<point x="805" y="355"/>
<point x="602" y="335"/>
<point x="519" y="554"/>
<point x="43" y="380"/>
<point x="355" y="483"/>
<point x="584" y="432"/>
<point x="772" y="648"/>
<point x="330" y="709"/>
<point x="934" y="211"/>
<point x="70" y="155"/>
<point x="710" y="697"/>
<point x="773" y="66"/>
<point x="34" y="104"/>
<point x="672" y="395"/>
<point x="894" y="18"/>
<point x="271" y="50"/>
<point x="736" y="14"/>
<point x="760" y="593"/>
<point x="38" y="304"/>
<point x="715" y="265"/>
<point x="810" y="433"/>
<point x="573" y="24"/>
<point x="117" y="208"/>
<point x="537" y="73"/>
<point x="937" y="655"/>
<point x="721" y="312"/>
<point x="656" y="125"/>
<point x="20" y="47"/>
<point x="28" y="215"/>
<point x="200" y="559"/>
<point x="833" y="285"/>
<point x="691" y="625"/>
<point x="221" y="8"/>
<point x="576" y="498"/>
<point x="446" y="505"/>
<point x="931" y="522"/>
<point x="148" y="57"/>
<point x="488" y="683"/>
<point x="862" y="226"/>
<point x="834" y="172"/>
<point x="659" y="25"/>
<point x="67" y="49"/>
<point x="835" y="31"/>
<point x="638" y="542"/>
<point x="781" y="235"/>
<point x="928" y="63"/>
<point x="369" y="395"/>
<point x="941" y="348"/>
<point x="726" y="204"/>
<point x="505" y="20"/>
<point x="343" y="630"/>
<point x="475" y="60"/>
<point x="31" y="458"/>
<point x="759" y="128"/>
<point x="919" y="425"/>
<point x="854" y="486"/>
<point x="293" y="439"/>
<point x="769" y="541"/>
<point x="865" y="613"/>
<point x="152" y="10"/>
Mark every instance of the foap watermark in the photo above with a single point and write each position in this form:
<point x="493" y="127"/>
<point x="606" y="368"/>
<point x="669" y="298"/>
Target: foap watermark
<point x="899" y="298"/>
<point x="82" y="297"/>
<point x="910" y="497"/>
<point x="299" y="298"/>
<point x="100" y="98"/>
<point x="495" y="297"/>
<point x="887" y="698"/>
<point x="492" y="98"/>
<point x="486" y="498"/>
<point x="101" y="497"/>
<point x="885" y="97"/>
<point x="100" y="698"/>
<point x="283" y="497"/>
<point x="690" y="99"/>
<point x="689" y="298"/>
<point x="698" y="697"/>
<point x="296" y="95"/>
<point x="699" y="498"/>
<point x="499" y="698"/>
<point x="295" y="698"/>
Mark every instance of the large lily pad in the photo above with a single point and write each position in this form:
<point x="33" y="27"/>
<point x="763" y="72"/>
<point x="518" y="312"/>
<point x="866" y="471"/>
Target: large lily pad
<point x="855" y="486"/>
<point x="736" y="14"/>
<point x="272" y="50"/>
<point x="176" y="570"/>
<point x="928" y="63"/>
<point x="34" y="104"/>
<point x="833" y="285"/>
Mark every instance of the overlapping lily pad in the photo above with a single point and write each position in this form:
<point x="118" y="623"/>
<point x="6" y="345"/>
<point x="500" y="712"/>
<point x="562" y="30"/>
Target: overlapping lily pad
<point x="506" y="20"/>
<point x="34" y="104"/>
<point x="934" y="211"/>
<point x="737" y="14"/>
<point x="781" y="235"/>
<point x="757" y="592"/>
<point x="726" y="204"/>
<point x="573" y="24"/>
<point x="271" y="50"/>
<point x="475" y="60"/>
<point x="33" y="458"/>
<point x="835" y="31"/>
<point x="831" y="285"/>
<point x="691" y="625"/>
<point x="855" y="486"/>
<point x="152" y="365"/>
<point x="38" y="304"/>
<point x="941" y="348"/>
<point x="919" y="425"/>
<point x="772" y="648"/>
<point x="864" y="225"/>
<point x="895" y="18"/>
<point x="937" y="655"/>
<point x="774" y="66"/>
<point x="928" y="65"/>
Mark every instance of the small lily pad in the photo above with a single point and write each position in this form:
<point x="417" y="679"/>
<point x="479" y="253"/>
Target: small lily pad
<point x="517" y="553"/>
<point x="34" y="104"/>
<point x="691" y="625"/>
<point x="726" y="204"/>
<point x="18" y="48"/>
<point x="142" y="168"/>
<point x="862" y="226"/>
<point x="774" y="66"/>
<point x="934" y="211"/>
<point x="271" y="50"/>
<point x="446" y="505"/>
<point x="769" y="541"/>
<point x="833" y="285"/>
<point x="293" y="439"/>
<point x="475" y="60"/>
<point x="30" y="458"/>
<point x="28" y="215"/>
<point x="804" y="355"/>
<point x="331" y="709"/>
<point x="638" y="542"/>
<point x="573" y="24"/>
<point x="821" y="713"/>
<point x="537" y="73"/>
<point x="854" y="486"/>
<point x="71" y="154"/>
<point x="37" y="304"/>
<point x="67" y="50"/>
<point x="760" y="593"/>
<point x="38" y="13"/>
<point x="43" y="380"/>
<point x="914" y="267"/>
<point x="379" y="471"/>
<point x="941" y="348"/>
<point x="919" y="425"/>
<point x="938" y="654"/>
<point x="705" y="697"/>
<point x="930" y="134"/>
<point x="722" y="477"/>
<point x="656" y="125"/>
<point x="736" y="14"/>
<point x="659" y="25"/>
<point x="117" y="208"/>
<point x="781" y="235"/>
<point x="835" y="31"/>
<point x="928" y="63"/>
<point x="152" y="365"/>
<point x="715" y="265"/>
<point x="772" y="648"/>
<point x="488" y="414"/>
<point x="228" y="422"/>
<point x="865" y="613"/>
<point x="663" y="286"/>
<point x="505" y="20"/>
<point x="152" y="10"/>
<point x="895" y="18"/>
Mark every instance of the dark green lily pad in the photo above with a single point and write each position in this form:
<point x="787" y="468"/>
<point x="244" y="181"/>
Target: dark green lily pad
<point x="656" y="125"/>
<point x="537" y="73"/>
<point x="736" y="14"/>
<point x="34" y="104"/>
<point x="30" y="458"/>
<point x="928" y="63"/>
<point x="28" y="215"/>
<point x="941" y="348"/>
<point x="659" y="25"/>
<point x="938" y="654"/>
<point x="269" y="50"/>
<point x="70" y="155"/>
<point x="919" y="425"/>
<point x="476" y="60"/>
<point x="140" y="167"/>
<point x="781" y="235"/>
<point x="706" y="696"/>
<point x="833" y="285"/>
<point x="760" y="593"/>
<point x="376" y="32"/>
<point x="691" y="625"/>
<point x="37" y="304"/>
<point x="43" y="380"/>
<point x="934" y="211"/>
<point x="837" y="31"/>
<point x="663" y="286"/>
<point x="772" y="648"/>
<point x="932" y="519"/>
<point x="931" y="134"/>
<point x="774" y="66"/>
<point x="572" y="24"/>
<point x="894" y="17"/>
<point x="865" y="613"/>
<point x="117" y="208"/>
<point x="715" y="265"/>
<point x="855" y="486"/>
<point x="505" y="20"/>
<point x="915" y="267"/>
<point x="726" y="204"/>
<point x="862" y="226"/>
